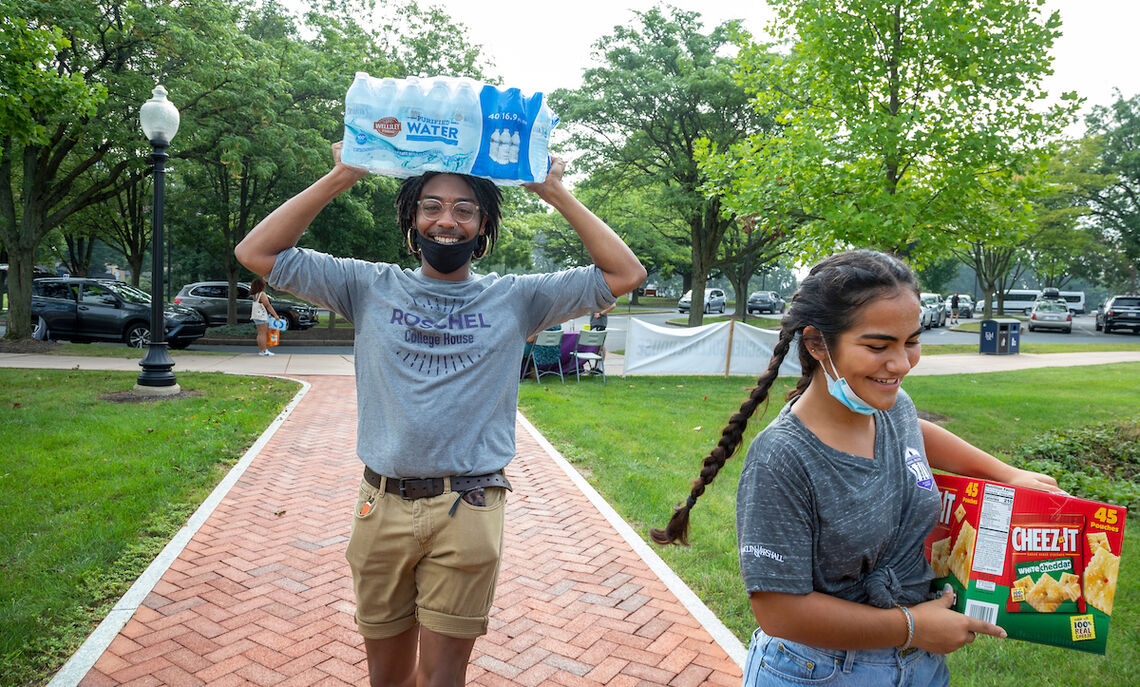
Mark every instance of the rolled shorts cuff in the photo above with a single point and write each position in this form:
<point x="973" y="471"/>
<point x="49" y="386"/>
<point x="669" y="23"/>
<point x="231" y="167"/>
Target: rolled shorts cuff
<point x="458" y="627"/>
<point x="385" y="630"/>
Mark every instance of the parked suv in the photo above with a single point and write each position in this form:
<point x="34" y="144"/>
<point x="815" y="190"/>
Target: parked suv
<point x="765" y="301"/>
<point x="83" y="310"/>
<point x="714" y="301"/>
<point x="210" y="298"/>
<point x="1120" y="312"/>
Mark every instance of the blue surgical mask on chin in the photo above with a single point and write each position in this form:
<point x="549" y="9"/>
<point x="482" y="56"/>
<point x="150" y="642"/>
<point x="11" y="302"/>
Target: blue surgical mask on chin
<point x="841" y="390"/>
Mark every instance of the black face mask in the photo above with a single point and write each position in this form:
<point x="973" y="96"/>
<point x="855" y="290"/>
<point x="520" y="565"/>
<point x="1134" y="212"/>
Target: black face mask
<point x="445" y="258"/>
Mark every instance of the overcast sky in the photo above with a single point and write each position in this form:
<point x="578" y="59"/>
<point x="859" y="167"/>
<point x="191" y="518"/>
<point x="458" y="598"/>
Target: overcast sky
<point x="549" y="47"/>
<point x="1096" y="53"/>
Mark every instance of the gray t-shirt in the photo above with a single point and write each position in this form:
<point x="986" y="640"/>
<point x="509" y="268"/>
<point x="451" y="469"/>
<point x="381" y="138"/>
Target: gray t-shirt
<point x="811" y="518"/>
<point x="437" y="362"/>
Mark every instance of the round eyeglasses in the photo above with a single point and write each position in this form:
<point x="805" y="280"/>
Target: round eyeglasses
<point x="462" y="211"/>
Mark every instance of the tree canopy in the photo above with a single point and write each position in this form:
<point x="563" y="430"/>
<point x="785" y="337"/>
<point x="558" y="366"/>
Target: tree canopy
<point x="891" y="116"/>
<point x="660" y="87"/>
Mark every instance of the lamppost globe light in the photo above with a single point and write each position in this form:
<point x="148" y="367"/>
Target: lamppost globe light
<point x="159" y="117"/>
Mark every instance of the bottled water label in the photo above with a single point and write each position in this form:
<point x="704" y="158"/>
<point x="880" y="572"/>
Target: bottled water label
<point x="405" y="127"/>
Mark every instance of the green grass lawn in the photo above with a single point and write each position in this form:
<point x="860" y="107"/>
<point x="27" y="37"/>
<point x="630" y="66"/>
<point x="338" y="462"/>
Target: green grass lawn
<point x="644" y="472"/>
<point x="91" y="490"/>
<point x="112" y="351"/>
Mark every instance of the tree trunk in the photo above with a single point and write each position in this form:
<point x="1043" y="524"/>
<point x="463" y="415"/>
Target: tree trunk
<point x="231" y="301"/>
<point x="21" y="271"/>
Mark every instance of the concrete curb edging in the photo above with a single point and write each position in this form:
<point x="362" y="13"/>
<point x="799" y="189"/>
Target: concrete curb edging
<point x="101" y="637"/>
<point x="720" y="633"/>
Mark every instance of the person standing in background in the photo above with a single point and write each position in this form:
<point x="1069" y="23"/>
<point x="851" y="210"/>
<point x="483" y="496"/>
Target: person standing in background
<point x="601" y="319"/>
<point x="259" y="311"/>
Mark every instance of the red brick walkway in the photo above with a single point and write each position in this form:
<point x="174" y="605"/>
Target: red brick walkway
<point x="262" y="596"/>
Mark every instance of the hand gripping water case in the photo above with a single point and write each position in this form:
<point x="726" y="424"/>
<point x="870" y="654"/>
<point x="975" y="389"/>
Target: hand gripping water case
<point x="405" y="127"/>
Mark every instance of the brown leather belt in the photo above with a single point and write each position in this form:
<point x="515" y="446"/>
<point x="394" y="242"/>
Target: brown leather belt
<point x="415" y="488"/>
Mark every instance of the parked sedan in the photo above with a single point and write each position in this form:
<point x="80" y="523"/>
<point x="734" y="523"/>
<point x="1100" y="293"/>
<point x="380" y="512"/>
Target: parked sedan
<point x="715" y="301"/>
<point x="83" y="310"/>
<point x="1120" y="312"/>
<point x="211" y="299"/>
<point x="1050" y="314"/>
<point x="765" y="301"/>
<point x="937" y="307"/>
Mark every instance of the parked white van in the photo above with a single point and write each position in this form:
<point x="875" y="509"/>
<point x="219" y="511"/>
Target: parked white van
<point x="1076" y="301"/>
<point x="1015" y="301"/>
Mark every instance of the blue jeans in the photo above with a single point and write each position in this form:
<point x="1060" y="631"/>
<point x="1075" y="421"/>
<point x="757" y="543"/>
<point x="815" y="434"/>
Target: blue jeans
<point x="774" y="661"/>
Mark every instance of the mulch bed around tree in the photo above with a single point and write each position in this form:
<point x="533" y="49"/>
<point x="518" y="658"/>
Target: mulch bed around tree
<point x="27" y="346"/>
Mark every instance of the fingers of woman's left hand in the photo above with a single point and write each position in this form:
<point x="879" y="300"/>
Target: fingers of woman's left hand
<point x="1039" y="481"/>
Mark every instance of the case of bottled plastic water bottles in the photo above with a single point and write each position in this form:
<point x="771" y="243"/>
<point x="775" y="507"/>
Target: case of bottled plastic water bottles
<point x="405" y="127"/>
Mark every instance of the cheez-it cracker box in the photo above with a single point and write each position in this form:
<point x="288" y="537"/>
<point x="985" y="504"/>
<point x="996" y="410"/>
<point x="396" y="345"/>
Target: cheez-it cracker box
<point x="1043" y="566"/>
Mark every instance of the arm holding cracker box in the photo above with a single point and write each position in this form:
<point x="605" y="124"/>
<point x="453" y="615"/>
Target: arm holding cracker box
<point x="948" y="452"/>
<point x="828" y="622"/>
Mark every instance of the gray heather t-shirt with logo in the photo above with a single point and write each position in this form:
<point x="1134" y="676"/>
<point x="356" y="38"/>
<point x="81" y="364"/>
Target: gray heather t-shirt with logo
<point x="437" y="362"/>
<point x="811" y="518"/>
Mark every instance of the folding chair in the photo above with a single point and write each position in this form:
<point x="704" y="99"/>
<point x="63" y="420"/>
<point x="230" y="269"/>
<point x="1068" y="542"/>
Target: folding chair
<point x="593" y="358"/>
<point x="545" y="343"/>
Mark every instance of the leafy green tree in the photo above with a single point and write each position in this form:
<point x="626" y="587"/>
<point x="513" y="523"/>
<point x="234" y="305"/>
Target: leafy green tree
<point x="935" y="275"/>
<point x="749" y="247"/>
<point x="890" y="115"/>
<point x="639" y="215"/>
<point x="661" y="87"/>
<point x="80" y="70"/>
<point x="1115" y="206"/>
<point x="1065" y="245"/>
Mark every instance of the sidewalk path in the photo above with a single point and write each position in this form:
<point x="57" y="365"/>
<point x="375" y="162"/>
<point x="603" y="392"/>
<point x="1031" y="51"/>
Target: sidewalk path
<point x="261" y="595"/>
<point x="294" y="361"/>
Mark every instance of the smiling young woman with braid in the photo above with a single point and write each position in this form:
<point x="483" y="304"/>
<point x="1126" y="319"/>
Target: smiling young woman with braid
<point x="836" y="496"/>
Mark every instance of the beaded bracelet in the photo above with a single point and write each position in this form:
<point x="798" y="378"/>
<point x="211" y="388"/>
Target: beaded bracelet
<point x="909" y="626"/>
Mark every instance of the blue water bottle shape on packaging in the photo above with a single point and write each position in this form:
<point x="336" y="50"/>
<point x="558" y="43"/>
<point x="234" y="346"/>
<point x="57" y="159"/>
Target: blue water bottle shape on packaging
<point x="404" y="127"/>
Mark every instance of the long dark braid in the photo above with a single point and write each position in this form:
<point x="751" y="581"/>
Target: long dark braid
<point x="487" y="196"/>
<point x="678" y="528"/>
<point x="829" y="299"/>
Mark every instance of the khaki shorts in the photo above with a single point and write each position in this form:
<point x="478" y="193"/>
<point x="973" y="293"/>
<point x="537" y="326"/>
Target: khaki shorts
<point x="412" y="562"/>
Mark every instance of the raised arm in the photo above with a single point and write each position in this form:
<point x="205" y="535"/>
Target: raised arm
<point x="949" y="452"/>
<point x="621" y="268"/>
<point x="283" y="227"/>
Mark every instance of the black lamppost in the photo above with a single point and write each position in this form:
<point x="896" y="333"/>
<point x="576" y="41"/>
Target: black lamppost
<point x="159" y="119"/>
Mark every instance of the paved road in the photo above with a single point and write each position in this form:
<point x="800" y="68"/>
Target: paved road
<point x="1084" y="332"/>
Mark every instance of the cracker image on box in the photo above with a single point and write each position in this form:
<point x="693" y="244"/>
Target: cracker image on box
<point x="1097" y="540"/>
<point x="1046" y="595"/>
<point x="962" y="555"/>
<point x="940" y="557"/>
<point x="1020" y="588"/>
<point x="1072" y="585"/>
<point x="1100" y="579"/>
